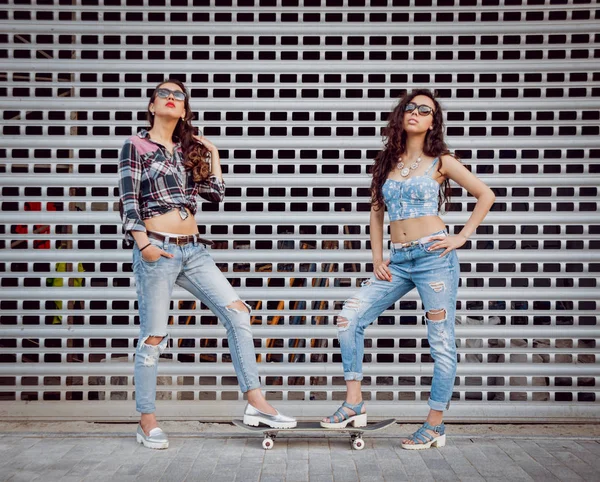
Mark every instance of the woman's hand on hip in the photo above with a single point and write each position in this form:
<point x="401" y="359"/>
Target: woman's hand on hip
<point x="381" y="271"/>
<point x="447" y="243"/>
<point x="153" y="253"/>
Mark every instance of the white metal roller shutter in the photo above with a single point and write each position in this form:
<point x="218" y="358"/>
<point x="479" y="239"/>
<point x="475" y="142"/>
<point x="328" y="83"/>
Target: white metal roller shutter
<point x="295" y="93"/>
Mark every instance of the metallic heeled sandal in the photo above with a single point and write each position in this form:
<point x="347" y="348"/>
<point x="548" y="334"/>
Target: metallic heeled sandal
<point x="424" y="440"/>
<point x="357" y="420"/>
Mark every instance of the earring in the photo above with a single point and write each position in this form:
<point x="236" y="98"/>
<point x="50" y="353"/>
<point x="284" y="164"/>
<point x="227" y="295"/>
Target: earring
<point x="152" y="112"/>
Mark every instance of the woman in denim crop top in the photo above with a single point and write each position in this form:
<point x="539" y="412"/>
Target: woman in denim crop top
<point x="411" y="179"/>
<point x="161" y="171"/>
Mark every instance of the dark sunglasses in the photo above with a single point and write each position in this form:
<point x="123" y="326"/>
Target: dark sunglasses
<point x="421" y="109"/>
<point x="164" y="94"/>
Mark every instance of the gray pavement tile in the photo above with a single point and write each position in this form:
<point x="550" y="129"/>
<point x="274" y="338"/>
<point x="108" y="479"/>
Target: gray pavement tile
<point x="564" y="473"/>
<point x="247" y="477"/>
<point x="84" y="467"/>
<point x="319" y="478"/>
<point x="151" y="478"/>
<point x="484" y="465"/>
<point x="178" y="469"/>
<point x="319" y="469"/>
<point x="298" y="448"/>
<point x="587" y="456"/>
<point x="574" y="463"/>
<point x="23" y="443"/>
<point x="346" y="469"/>
<point x="435" y="461"/>
<point x="153" y="468"/>
<point x="132" y="468"/>
<point x="296" y="477"/>
<point x="272" y="470"/>
<point x="49" y="475"/>
<point x="459" y="463"/>
<point x="272" y="478"/>
<point x="392" y="466"/>
<point x="254" y="452"/>
<point x="193" y="476"/>
<point x="589" y="445"/>
<point x="220" y="478"/>
<point x="503" y="479"/>
<point x="230" y="471"/>
<point x="203" y="464"/>
<point x="71" y="478"/>
<point x="537" y="453"/>
<point x="105" y="478"/>
<point x="21" y="476"/>
<point x="508" y="466"/>
<point x="275" y="454"/>
<point x="519" y="454"/>
<point x="396" y="477"/>
<point x="341" y="465"/>
<point x="445" y="475"/>
<point x="297" y="466"/>
<point x="347" y="478"/>
<point x="413" y="464"/>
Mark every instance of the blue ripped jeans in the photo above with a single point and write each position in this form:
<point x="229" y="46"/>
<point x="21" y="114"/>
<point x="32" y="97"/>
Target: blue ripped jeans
<point x="436" y="280"/>
<point x="192" y="268"/>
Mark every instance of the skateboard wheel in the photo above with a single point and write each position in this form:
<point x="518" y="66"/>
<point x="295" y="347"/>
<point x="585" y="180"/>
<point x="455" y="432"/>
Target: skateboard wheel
<point x="358" y="444"/>
<point x="268" y="443"/>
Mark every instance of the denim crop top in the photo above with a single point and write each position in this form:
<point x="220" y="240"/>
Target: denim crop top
<point x="413" y="198"/>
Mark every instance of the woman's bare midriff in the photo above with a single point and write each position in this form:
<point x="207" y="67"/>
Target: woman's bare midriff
<point x="411" y="229"/>
<point x="171" y="222"/>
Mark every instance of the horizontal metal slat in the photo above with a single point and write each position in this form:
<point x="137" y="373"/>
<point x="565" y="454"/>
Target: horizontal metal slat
<point x="294" y="293"/>
<point x="307" y="331"/>
<point x="304" y="29"/>
<point x="316" y="66"/>
<point x="302" y="369"/>
<point x="290" y="218"/>
<point x="311" y="105"/>
<point x="314" y="143"/>
<point x="68" y="180"/>
<point x="492" y="257"/>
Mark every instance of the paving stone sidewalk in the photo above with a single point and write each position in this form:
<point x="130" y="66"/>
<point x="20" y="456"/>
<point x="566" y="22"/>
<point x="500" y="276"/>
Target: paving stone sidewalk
<point x="227" y="457"/>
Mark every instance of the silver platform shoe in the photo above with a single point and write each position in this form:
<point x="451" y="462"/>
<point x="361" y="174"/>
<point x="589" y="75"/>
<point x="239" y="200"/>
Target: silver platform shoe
<point x="253" y="417"/>
<point x="157" y="439"/>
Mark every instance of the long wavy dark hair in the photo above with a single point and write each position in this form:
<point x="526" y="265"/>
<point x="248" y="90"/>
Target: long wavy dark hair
<point x="395" y="145"/>
<point x="196" y="157"/>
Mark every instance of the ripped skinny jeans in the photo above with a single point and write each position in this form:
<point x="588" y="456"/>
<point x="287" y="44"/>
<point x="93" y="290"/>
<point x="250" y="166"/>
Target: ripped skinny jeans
<point x="192" y="268"/>
<point x="436" y="280"/>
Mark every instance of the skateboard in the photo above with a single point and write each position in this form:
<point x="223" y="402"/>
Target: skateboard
<point x="356" y="439"/>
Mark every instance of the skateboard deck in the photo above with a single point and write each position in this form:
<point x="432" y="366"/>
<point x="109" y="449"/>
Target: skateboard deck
<point x="356" y="439"/>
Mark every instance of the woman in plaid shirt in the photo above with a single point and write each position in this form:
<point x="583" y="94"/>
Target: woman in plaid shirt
<point x="161" y="171"/>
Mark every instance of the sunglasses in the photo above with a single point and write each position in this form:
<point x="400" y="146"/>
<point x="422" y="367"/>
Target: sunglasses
<point x="421" y="109"/>
<point x="164" y="94"/>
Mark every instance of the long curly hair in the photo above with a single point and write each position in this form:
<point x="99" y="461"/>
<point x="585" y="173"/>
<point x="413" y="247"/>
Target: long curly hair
<point x="395" y="145"/>
<point x="196" y="157"/>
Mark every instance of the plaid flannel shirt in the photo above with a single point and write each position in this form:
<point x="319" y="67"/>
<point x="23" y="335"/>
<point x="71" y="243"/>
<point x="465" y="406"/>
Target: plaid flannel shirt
<point x="152" y="182"/>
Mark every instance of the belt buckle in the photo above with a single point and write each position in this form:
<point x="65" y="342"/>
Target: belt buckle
<point x="180" y="239"/>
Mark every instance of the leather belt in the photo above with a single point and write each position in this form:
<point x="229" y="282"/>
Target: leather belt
<point x="423" y="240"/>
<point x="180" y="240"/>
